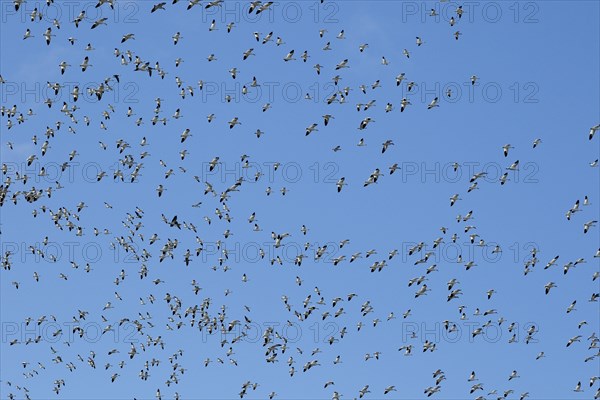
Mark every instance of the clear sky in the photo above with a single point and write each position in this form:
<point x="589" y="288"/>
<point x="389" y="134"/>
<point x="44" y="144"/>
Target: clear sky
<point x="537" y="69"/>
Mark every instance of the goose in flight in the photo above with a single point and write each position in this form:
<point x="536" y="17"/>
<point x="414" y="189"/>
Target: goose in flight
<point x="97" y="23"/>
<point x="127" y="37"/>
<point x="593" y="131"/>
<point x="434" y="103"/>
<point x="264" y="7"/>
<point x="85" y="64"/>
<point x="48" y="35"/>
<point x="574" y="339"/>
<point x="507" y="147"/>
<point x="363" y="391"/>
<point x="158" y="6"/>
<point x="422" y="291"/>
<point x="514" y="166"/>
<point x="400" y="78"/>
<point x="63" y="67"/>
<point x="311" y="128"/>
<point x="588" y="225"/>
<point x="454" y="198"/>
<point x="342" y="64"/>
<point x="551" y="262"/>
<point x="365" y="122"/>
<point x="234" y="121"/>
<point x="389" y="389"/>
<point x="176" y="37"/>
<point x="247" y="53"/>
<point x="340" y="184"/>
<point x="289" y="56"/>
<point x="404" y="102"/>
<point x="385" y="145"/>
<point x="549" y="286"/>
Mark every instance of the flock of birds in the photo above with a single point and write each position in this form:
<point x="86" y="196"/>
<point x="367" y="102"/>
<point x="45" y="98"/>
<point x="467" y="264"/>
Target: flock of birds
<point x="169" y="244"/>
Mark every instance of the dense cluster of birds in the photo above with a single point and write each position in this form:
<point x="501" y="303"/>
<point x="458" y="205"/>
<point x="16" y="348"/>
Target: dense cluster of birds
<point x="182" y="241"/>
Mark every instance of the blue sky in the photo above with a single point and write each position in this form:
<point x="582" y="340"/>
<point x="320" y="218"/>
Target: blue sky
<point x="537" y="65"/>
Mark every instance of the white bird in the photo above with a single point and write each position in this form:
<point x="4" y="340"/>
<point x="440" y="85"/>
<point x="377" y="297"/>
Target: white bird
<point x="233" y="122"/>
<point x="340" y="184"/>
<point x="507" y="147"/>
<point x="549" y="286"/>
<point x="588" y="225"/>
<point x="289" y="56"/>
<point x="342" y="64"/>
<point x="593" y="131"/>
<point x="454" y="198"/>
<point x="434" y="103"/>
